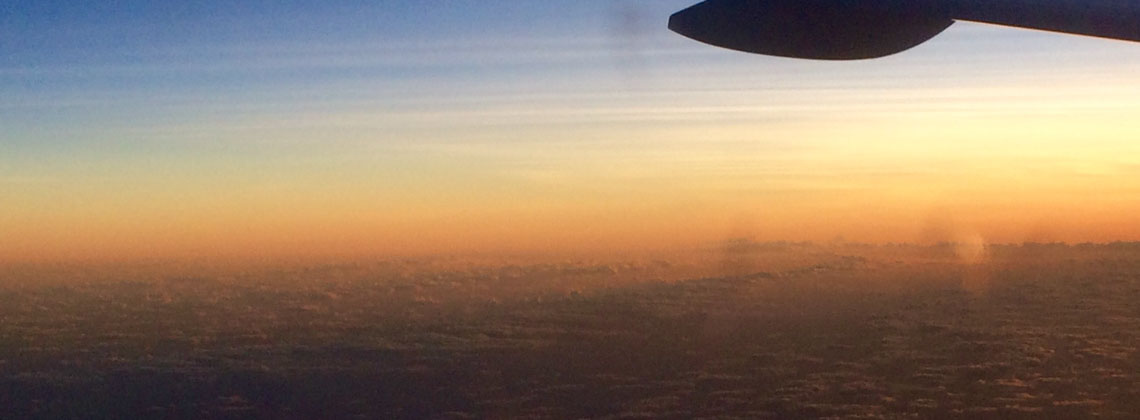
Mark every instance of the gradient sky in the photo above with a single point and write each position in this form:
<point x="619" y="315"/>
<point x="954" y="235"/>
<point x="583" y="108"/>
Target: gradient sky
<point x="405" y="127"/>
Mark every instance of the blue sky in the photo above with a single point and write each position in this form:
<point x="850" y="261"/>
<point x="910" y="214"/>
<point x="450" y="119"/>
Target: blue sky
<point x="68" y="63"/>
<point x="132" y="76"/>
<point x="92" y="65"/>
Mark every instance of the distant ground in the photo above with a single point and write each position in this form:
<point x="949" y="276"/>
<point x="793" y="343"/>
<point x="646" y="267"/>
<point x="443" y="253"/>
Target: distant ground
<point x="751" y="330"/>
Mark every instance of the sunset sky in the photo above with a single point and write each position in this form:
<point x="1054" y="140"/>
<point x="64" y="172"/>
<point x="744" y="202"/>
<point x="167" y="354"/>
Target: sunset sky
<point x="141" y="129"/>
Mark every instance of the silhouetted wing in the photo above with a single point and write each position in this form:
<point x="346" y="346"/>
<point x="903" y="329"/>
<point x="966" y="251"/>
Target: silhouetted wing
<point x="1117" y="19"/>
<point x="856" y="29"/>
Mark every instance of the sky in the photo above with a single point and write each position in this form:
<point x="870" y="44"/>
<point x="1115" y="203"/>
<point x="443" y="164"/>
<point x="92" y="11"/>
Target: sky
<point x="141" y="129"/>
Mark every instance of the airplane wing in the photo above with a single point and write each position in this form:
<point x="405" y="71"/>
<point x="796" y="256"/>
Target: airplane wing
<point x="859" y="29"/>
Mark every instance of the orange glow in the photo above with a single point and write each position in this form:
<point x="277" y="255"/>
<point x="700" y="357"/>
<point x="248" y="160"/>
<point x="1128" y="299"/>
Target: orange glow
<point x="1006" y="164"/>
